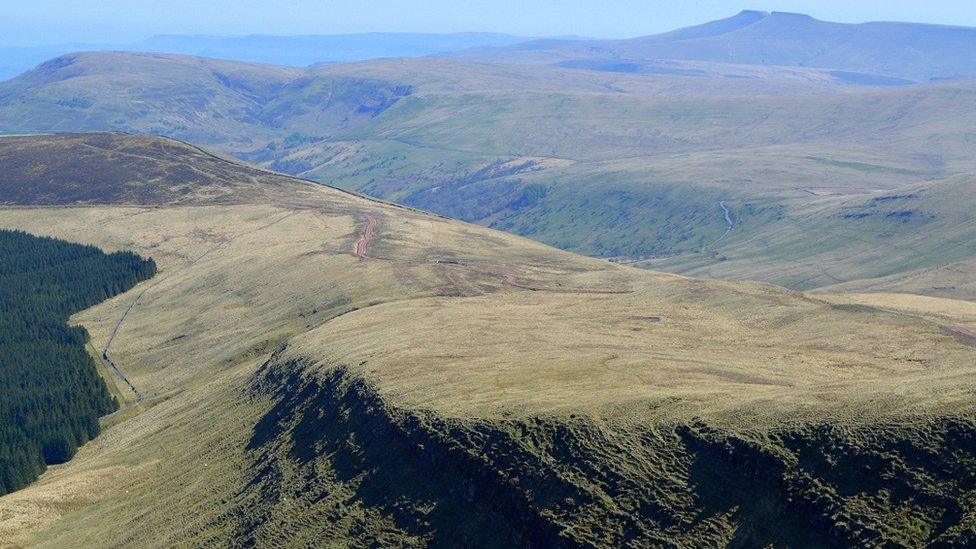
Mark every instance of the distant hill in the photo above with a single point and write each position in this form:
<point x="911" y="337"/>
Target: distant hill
<point x="626" y="166"/>
<point x="301" y="51"/>
<point x="238" y="105"/>
<point x="296" y="51"/>
<point x="918" y="238"/>
<point x="126" y="169"/>
<point x="908" y="51"/>
<point x="243" y="106"/>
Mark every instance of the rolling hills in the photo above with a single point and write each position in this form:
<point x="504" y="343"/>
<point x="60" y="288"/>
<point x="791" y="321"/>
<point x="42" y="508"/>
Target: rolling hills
<point x="318" y="367"/>
<point x="631" y="165"/>
<point x="293" y="51"/>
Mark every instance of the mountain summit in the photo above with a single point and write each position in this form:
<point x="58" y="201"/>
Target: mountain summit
<point x="910" y="51"/>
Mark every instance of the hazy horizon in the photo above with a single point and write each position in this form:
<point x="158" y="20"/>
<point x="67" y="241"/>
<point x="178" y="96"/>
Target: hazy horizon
<point x="49" y="22"/>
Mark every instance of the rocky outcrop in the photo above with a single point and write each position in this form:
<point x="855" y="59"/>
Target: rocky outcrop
<point x="332" y="450"/>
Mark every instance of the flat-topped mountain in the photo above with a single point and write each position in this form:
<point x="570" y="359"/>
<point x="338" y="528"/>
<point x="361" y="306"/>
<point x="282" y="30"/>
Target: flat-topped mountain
<point x="908" y="51"/>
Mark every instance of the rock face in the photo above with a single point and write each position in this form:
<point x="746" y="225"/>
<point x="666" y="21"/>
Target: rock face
<point x="568" y="482"/>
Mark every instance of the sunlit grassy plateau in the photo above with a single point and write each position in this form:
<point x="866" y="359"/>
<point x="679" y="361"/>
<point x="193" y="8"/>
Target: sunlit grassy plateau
<point x="456" y="385"/>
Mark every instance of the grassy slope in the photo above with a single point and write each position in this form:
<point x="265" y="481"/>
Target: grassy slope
<point x="295" y="392"/>
<point x="49" y="170"/>
<point x="206" y="100"/>
<point x="602" y="174"/>
<point x="230" y="104"/>
<point x="613" y="165"/>
<point x="953" y="280"/>
<point x="919" y="236"/>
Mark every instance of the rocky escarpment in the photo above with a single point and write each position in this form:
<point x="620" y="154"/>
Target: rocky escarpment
<point x="334" y="460"/>
<point x="908" y="484"/>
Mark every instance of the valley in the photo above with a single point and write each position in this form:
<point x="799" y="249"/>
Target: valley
<point x="707" y="288"/>
<point x="622" y="166"/>
<point x="299" y="341"/>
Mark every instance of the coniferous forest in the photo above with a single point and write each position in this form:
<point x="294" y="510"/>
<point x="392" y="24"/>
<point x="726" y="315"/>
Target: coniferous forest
<point x="52" y="394"/>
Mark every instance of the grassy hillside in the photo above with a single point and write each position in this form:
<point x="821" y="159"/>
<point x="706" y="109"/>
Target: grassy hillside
<point x="126" y="169"/>
<point x="226" y="103"/>
<point x="329" y="369"/>
<point x="625" y="166"/>
<point x="920" y="238"/>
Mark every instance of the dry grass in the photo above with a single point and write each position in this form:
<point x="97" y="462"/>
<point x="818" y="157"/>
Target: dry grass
<point x="430" y="320"/>
<point x="454" y="323"/>
<point x="717" y="350"/>
<point x="955" y="311"/>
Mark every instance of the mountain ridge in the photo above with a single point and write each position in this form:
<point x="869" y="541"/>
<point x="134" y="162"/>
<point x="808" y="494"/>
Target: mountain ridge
<point x="296" y="51"/>
<point x="324" y="367"/>
<point x="911" y="51"/>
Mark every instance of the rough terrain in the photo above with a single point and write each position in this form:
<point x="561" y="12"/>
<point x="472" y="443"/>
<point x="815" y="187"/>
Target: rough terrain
<point x="317" y="367"/>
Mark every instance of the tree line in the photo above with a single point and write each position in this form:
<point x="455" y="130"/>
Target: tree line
<point x="52" y="394"/>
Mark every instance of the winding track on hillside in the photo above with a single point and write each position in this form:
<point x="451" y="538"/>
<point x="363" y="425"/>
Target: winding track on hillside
<point x="107" y="358"/>
<point x="362" y="245"/>
<point x="965" y="333"/>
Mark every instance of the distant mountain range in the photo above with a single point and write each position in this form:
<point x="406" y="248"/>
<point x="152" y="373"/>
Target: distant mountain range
<point x="878" y="53"/>
<point x="296" y="51"/>
<point x="908" y="51"/>
<point x="627" y="157"/>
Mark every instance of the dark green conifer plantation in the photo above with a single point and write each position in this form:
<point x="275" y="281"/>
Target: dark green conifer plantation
<point x="51" y="395"/>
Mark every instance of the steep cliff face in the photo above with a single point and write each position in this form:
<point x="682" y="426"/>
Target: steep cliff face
<point x="333" y="451"/>
<point x="875" y="485"/>
<point x="443" y="384"/>
<point x="411" y="477"/>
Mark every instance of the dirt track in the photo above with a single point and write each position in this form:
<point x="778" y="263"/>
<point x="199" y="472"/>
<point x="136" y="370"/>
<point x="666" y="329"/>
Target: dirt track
<point x="118" y="372"/>
<point x="362" y="245"/>
<point x="107" y="359"/>
<point x="115" y="332"/>
<point x="965" y="333"/>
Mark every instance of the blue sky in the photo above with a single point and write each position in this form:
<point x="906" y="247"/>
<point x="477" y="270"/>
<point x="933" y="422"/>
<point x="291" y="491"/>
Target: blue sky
<point x="34" y="22"/>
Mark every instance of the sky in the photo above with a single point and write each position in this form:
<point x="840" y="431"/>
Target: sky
<point x="44" y="22"/>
